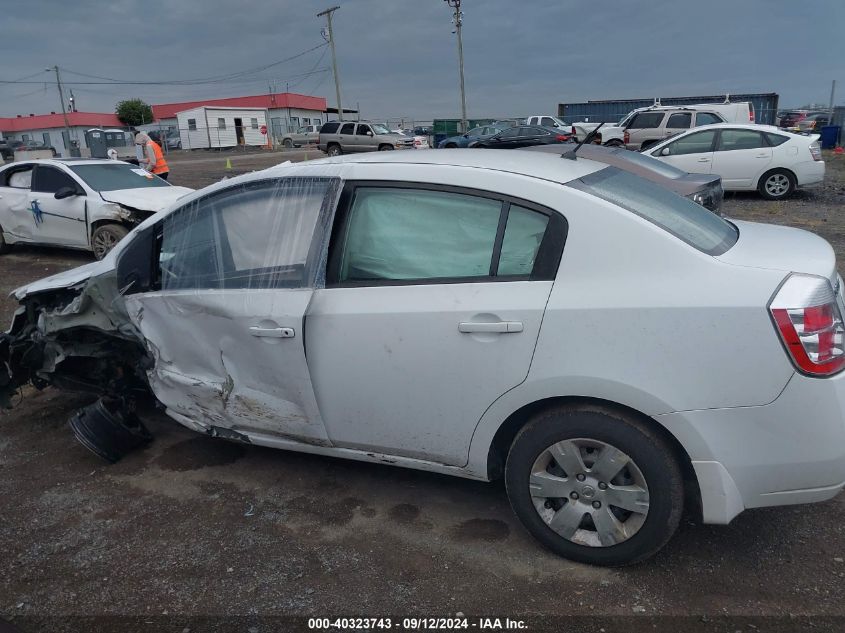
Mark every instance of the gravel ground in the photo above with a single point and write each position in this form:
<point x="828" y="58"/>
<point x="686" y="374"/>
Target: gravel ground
<point x="193" y="527"/>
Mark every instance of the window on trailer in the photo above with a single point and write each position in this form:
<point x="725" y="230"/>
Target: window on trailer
<point x="221" y="123"/>
<point x="192" y="125"/>
<point x="253" y="123"/>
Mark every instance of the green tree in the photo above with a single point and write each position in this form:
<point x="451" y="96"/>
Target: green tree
<point x="134" y="112"/>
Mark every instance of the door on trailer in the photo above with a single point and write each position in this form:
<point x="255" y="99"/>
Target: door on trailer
<point x="239" y="131"/>
<point x="224" y="318"/>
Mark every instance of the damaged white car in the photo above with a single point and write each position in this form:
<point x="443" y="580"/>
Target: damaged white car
<point x="606" y="346"/>
<point x="88" y="204"/>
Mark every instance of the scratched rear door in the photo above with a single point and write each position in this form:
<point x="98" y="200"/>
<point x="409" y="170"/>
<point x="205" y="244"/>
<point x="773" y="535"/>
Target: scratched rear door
<point x="224" y="324"/>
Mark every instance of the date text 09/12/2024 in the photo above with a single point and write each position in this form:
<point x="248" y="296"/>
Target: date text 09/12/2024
<point x="416" y="624"/>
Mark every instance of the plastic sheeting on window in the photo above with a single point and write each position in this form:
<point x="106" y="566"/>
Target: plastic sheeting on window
<point x="259" y="234"/>
<point x="397" y="234"/>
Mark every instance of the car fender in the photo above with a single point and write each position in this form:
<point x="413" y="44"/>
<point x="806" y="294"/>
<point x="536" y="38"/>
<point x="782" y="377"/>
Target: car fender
<point x="574" y="388"/>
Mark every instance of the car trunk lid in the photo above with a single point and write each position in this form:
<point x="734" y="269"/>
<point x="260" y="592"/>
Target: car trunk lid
<point x="781" y="248"/>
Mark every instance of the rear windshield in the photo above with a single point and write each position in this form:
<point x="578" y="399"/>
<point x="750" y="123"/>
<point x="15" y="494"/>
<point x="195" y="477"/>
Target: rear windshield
<point x="675" y="214"/>
<point x="115" y="176"/>
<point x="652" y="164"/>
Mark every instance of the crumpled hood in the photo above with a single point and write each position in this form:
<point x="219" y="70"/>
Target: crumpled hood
<point x="67" y="278"/>
<point x="146" y="199"/>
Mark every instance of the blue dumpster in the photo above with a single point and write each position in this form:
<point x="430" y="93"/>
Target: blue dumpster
<point x="830" y="136"/>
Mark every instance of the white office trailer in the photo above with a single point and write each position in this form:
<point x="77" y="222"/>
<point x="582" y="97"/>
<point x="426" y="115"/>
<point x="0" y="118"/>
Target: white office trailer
<point x="206" y="127"/>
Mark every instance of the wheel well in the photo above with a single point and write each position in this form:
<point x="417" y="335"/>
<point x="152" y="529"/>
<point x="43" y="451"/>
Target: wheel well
<point x="385" y="145"/>
<point x="450" y="145"/>
<point x="504" y="437"/>
<point x="98" y="223"/>
<point x="774" y="169"/>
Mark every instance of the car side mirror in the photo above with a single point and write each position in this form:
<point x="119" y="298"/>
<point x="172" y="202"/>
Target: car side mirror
<point x="369" y="133"/>
<point x="66" y="192"/>
<point x="665" y="151"/>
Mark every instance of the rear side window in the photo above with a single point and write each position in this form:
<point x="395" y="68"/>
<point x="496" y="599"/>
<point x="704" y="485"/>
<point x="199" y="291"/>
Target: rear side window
<point x="675" y="214"/>
<point x="397" y="234"/>
<point x="731" y="140"/>
<point x="706" y="118"/>
<point x="775" y="139"/>
<point x="348" y="128"/>
<point x="329" y="128"/>
<point x="646" y="120"/>
<point x="679" y="120"/>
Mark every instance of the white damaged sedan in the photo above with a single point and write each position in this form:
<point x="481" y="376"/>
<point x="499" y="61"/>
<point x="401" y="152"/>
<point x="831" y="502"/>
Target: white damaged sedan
<point x="87" y="204"/>
<point x="608" y="348"/>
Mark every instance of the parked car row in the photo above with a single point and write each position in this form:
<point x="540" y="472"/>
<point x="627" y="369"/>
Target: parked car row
<point x="605" y="346"/>
<point x="8" y="147"/>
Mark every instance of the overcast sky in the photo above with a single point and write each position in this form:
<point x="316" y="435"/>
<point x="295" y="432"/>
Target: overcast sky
<point x="398" y="58"/>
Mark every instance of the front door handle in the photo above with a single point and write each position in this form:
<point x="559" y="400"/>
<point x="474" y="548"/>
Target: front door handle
<point x="503" y="327"/>
<point x="272" y="332"/>
<point x="703" y="160"/>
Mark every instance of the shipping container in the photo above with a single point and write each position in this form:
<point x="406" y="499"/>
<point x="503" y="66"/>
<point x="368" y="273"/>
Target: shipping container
<point x="612" y="111"/>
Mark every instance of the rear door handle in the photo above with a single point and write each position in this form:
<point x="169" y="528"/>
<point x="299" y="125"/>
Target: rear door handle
<point x="703" y="160"/>
<point x="503" y="327"/>
<point x="272" y="332"/>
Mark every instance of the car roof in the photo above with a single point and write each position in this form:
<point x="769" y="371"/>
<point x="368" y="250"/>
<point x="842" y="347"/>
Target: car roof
<point x="543" y="166"/>
<point x="756" y="127"/>
<point x="62" y="161"/>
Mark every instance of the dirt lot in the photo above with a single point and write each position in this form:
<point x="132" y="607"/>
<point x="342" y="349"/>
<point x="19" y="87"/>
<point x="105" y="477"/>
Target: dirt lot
<point x="196" y="527"/>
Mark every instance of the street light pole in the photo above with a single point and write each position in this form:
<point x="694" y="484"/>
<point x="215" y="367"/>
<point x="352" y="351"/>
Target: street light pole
<point x="328" y="13"/>
<point x="62" y="101"/>
<point x="459" y="19"/>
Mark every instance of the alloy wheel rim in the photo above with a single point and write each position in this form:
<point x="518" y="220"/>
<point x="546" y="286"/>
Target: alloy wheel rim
<point x="777" y="184"/>
<point x="589" y="492"/>
<point x="103" y="243"/>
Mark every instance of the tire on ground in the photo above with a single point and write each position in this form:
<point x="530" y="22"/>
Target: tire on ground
<point x="104" y="238"/>
<point x="782" y="180"/>
<point x="651" y="454"/>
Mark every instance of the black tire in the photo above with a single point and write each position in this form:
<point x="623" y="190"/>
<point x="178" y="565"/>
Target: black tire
<point x="776" y="184"/>
<point x="288" y="143"/>
<point x="334" y="150"/>
<point x="450" y="146"/>
<point x="4" y="248"/>
<point x="615" y="142"/>
<point x="385" y="148"/>
<point x="651" y="456"/>
<point x="104" y="238"/>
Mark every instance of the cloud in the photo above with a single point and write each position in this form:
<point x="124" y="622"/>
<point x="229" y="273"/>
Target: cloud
<point x="398" y="57"/>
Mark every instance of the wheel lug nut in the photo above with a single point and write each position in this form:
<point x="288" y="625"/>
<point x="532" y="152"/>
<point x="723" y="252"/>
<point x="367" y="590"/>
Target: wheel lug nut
<point x="580" y="477"/>
<point x="596" y="504"/>
<point x="573" y="495"/>
<point x="602" y="486"/>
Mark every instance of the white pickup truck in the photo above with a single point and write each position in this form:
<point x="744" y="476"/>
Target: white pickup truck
<point x="547" y="120"/>
<point x="644" y="127"/>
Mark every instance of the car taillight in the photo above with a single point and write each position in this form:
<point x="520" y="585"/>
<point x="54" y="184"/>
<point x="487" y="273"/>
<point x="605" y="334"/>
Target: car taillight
<point x="808" y="318"/>
<point x="574" y="133"/>
<point x="751" y="114"/>
<point x="562" y="138"/>
<point x="626" y="138"/>
<point x="815" y="151"/>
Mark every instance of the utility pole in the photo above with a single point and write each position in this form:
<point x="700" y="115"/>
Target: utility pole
<point x="328" y="13"/>
<point x="459" y="19"/>
<point x="830" y="110"/>
<point x="62" y="101"/>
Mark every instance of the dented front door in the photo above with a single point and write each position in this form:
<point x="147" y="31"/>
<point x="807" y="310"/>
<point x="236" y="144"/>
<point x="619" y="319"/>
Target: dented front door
<point x="224" y="324"/>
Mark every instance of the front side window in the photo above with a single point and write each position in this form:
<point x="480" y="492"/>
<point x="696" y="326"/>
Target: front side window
<point x="706" y="118"/>
<point x="675" y="214"/>
<point x="732" y="140"/>
<point x="395" y="234"/>
<point x="696" y="143"/>
<point x="547" y="121"/>
<point x="510" y="133"/>
<point x="192" y="125"/>
<point x="51" y="179"/>
<point x="221" y="123"/>
<point x="646" y="120"/>
<point x="18" y="178"/>
<point x="255" y="235"/>
<point x="362" y="130"/>
<point x="348" y="128"/>
<point x="679" y="120"/>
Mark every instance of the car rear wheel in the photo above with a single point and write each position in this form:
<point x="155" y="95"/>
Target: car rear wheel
<point x="288" y="143"/>
<point x="776" y="184"/>
<point x="614" y="142"/>
<point x="105" y="237"/>
<point x="450" y="146"/>
<point x="594" y="485"/>
<point x="334" y="150"/>
<point x="385" y="148"/>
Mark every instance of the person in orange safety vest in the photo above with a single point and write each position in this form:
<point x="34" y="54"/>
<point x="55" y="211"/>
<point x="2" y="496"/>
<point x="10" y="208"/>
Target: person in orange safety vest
<point x="153" y="158"/>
